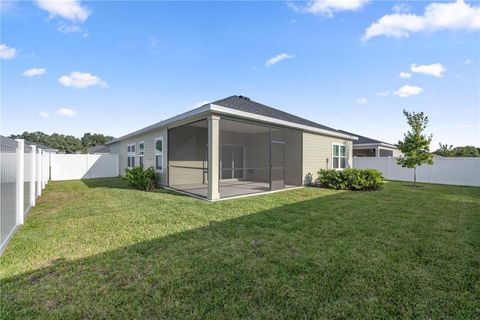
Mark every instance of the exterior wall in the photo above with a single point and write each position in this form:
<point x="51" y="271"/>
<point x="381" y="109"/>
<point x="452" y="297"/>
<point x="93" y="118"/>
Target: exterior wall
<point x="120" y="148"/>
<point x="317" y="149"/>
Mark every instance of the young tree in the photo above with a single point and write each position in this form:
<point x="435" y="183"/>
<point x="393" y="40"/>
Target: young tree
<point x="415" y="146"/>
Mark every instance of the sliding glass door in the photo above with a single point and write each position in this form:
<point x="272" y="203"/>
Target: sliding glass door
<point x="232" y="164"/>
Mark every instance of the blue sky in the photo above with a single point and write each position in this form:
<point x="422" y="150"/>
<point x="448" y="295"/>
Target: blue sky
<point x="115" y="67"/>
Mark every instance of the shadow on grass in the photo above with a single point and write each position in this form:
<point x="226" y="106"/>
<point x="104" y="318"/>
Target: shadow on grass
<point x="300" y="260"/>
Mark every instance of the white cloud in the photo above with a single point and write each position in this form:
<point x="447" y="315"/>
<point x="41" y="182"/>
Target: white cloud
<point x="407" y="91"/>
<point x="273" y="60"/>
<point x="199" y="104"/>
<point x="6" y="52"/>
<point x="468" y="61"/>
<point x="43" y="115"/>
<point x="401" y="8"/>
<point x="456" y="15"/>
<point x="405" y="75"/>
<point x="80" y="80"/>
<point x="328" y="7"/>
<point x="435" y="69"/>
<point x="67" y="9"/>
<point x="71" y="28"/>
<point x="382" y="93"/>
<point x="362" y="100"/>
<point x="65" y="112"/>
<point x="33" y="72"/>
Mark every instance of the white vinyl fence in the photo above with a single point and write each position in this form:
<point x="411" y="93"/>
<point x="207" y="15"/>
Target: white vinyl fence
<point x="84" y="166"/>
<point x="455" y="171"/>
<point x="23" y="176"/>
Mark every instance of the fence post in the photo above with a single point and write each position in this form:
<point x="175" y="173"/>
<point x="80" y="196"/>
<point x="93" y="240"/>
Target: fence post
<point x="43" y="169"/>
<point x="47" y="168"/>
<point x="39" y="173"/>
<point x="20" y="177"/>
<point x="33" y="175"/>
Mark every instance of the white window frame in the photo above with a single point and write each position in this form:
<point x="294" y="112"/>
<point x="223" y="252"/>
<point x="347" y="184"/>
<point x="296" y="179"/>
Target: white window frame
<point x="141" y="154"/>
<point x="130" y="154"/>
<point x="339" y="155"/>
<point x="158" y="153"/>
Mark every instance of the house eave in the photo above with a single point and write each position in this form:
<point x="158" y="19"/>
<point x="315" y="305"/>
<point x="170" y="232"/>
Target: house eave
<point x="374" y="145"/>
<point x="212" y="108"/>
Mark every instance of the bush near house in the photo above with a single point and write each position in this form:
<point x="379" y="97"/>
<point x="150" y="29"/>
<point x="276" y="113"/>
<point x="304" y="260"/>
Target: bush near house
<point x="350" y="179"/>
<point x="142" y="179"/>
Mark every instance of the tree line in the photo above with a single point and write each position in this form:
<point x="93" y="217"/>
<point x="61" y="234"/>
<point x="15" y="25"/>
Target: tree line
<point x="449" y="151"/>
<point x="65" y="143"/>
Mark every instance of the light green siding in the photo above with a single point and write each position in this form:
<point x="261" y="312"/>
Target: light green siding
<point x="120" y="148"/>
<point x="317" y="149"/>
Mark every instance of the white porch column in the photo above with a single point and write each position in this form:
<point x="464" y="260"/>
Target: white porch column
<point x="213" y="157"/>
<point x="377" y="152"/>
<point x="39" y="172"/>
<point x="33" y="169"/>
<point x="20" y="180"/>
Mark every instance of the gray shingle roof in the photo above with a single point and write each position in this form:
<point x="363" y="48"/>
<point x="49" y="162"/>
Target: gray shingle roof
<point x="244" y="104"/>
<point x="363" y="139"/>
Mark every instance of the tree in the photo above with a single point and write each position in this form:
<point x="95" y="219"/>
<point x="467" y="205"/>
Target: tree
<point x="449" y="151"/>
<point x="467" y="151"/>
<point x="415" y="146"/>
<point x="64" y="143"/>
<point x="90" y="140"/>
<point x="445" y="150"/>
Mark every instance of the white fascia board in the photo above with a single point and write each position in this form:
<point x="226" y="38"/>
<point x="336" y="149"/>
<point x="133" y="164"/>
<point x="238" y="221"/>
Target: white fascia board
<point x="373" y="145"/>
<point x="256" y="117"/>
<point x="164" y="123"/>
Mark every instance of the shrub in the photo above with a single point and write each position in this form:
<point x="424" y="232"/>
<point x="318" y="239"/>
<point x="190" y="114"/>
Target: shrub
<point x="142" y="179"/>
<point x="350" y="179"/>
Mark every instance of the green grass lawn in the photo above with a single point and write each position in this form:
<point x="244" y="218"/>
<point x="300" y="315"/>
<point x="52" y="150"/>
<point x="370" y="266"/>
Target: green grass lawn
<point x="97" y="249"/>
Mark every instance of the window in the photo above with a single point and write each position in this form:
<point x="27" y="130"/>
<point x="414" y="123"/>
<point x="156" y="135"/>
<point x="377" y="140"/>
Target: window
<point x="339" y="158"/>
<point x="130" y="155"/>
<point x="159" y="154"/>
<point x="141" y="154"/>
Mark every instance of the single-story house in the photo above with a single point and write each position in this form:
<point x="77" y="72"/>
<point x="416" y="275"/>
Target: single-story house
<point x="368" y="147"/>
<point x="233" y="147"/>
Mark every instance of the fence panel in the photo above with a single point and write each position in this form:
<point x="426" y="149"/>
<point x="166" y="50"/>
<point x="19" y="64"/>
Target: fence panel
<point x="454" y="171"/>
<point x="8" y="163"/>
<point x="20" y="175"/>
<point x="83" y="166"/>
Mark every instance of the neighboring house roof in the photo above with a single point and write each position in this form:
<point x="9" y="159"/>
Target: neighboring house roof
<point x="101" y="148"/>
<point x="362" y="140"/>
<point x="244" y="107"/>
